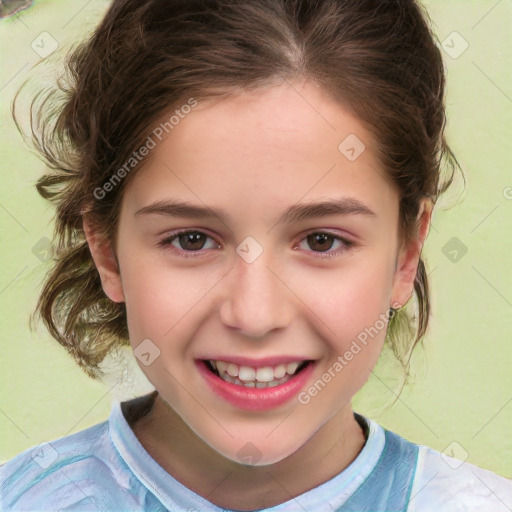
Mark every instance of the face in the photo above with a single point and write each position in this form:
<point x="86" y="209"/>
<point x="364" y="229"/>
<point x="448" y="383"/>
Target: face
<point x="257" y="310"/>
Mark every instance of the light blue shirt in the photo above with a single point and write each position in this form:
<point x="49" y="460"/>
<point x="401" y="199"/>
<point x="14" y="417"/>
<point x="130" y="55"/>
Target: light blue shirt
<point x="105" y="468"/>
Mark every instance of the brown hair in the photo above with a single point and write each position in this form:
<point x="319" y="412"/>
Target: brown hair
<point x="379" y="58"/>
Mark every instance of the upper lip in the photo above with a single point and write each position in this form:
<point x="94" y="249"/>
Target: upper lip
<point x="257" y="363"/>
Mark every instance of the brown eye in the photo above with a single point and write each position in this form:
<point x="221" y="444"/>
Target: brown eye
<point x="320" y="241"/>
<point x="192" y="241"/>
<point x="189" y="242"/>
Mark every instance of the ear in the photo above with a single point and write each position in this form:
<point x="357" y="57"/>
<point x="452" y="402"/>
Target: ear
<point x="408" y="258"/>
<point x="105" y="261"/>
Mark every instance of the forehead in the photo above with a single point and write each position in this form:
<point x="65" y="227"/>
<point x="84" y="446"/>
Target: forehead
<point x="278" y="146"/>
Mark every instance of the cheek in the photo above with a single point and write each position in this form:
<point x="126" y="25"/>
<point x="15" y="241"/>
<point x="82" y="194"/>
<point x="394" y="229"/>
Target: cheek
<point x="162" y="301"/>
<point x="162" y="306"/>
<point x="349" y="299"/>
<point x="352" y="310"/>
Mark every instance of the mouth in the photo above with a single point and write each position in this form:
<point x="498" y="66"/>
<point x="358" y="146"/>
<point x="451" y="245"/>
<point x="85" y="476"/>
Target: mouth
<point x="256" y="387"/>
<point x="255" y="377"/>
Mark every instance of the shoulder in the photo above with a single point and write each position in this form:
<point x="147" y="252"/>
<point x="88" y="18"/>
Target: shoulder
<point x="453" y="485"/>
<point x="68" y="472"/>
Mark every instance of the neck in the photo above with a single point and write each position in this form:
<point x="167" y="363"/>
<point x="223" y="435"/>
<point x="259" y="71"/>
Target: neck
<point x="228" y="484"/>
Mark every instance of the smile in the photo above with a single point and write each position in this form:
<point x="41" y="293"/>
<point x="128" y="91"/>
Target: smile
<point x="251" y="377"/>
<point x="255" y="386"/>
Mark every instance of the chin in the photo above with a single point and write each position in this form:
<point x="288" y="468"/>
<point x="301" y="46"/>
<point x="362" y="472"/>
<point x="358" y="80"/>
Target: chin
<point x="258" y="452"/>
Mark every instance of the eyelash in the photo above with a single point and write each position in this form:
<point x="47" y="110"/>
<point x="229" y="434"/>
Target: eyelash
<point x="166" y="244"/>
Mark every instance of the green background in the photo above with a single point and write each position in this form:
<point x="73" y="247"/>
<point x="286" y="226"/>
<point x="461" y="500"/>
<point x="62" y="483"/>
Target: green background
<point x="460" y="396"/>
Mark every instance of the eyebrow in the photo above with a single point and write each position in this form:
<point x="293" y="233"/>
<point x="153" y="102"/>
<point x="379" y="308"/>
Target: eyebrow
<point x="296" y="213"/>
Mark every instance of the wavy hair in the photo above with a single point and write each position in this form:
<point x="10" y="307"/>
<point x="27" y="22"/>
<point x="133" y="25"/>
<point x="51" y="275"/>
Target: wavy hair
<point x="378" y="58"/>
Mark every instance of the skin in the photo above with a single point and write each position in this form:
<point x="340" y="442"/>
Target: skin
<point x="254" y="155"/>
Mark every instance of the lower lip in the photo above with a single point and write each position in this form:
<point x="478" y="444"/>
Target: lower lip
<point x="256" y="399"/>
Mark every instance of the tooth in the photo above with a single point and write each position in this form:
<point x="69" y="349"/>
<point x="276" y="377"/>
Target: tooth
<point x="265" y="374"/>
<point x="291" y="368"/>
<point x="279" y="371"/>
<point x="232" y="370"/>
<point x="246" y="373"/>
<point x="221" y="366"/>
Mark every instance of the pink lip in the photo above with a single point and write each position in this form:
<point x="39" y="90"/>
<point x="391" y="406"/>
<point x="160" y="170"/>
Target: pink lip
<point x="255" y="399"/>
<point x="258" y="363"/>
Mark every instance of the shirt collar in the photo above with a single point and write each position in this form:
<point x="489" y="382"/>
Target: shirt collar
<point x="328" y="496"/>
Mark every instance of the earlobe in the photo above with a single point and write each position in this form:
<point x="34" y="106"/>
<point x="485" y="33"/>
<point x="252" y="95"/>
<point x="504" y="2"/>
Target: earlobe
<point x="105" y="261"/>
<point x="407" y="265"/>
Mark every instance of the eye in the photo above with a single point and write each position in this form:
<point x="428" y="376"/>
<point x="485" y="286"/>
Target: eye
<point x="321" y="243"/>
<point x="192" y="243"/>
<point x="188" y="242"/>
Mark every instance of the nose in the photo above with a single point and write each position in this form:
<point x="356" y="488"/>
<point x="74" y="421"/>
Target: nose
<point x="257" y="300"/>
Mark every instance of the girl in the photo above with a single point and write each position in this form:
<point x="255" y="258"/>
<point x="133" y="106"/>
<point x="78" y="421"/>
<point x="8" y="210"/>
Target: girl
<point x="243" y="190"/>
